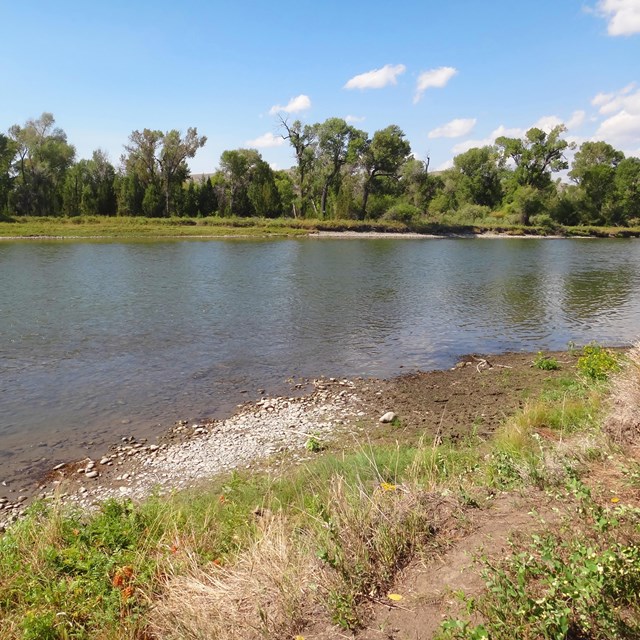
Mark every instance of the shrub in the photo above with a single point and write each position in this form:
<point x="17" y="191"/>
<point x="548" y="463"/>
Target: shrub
<point x="546" y="363"/>
<point x="402" y="212"/>
<point x="597" y="363"/>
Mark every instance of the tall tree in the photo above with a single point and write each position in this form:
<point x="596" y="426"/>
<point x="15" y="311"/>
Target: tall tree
<point x="250" y="184"/>
<point x="159" y="161"/>
<point x="478" y="177"/>
<point x="302" y="139"/>
<point x="536" y="157"/>
<point x="7" y="153"/>
<point x="172" y="159"/>
<point x="42" y="158"/>
<point x="594" y="169"/>
<point x="335" y="144"/>
<point x="382" y="157"/>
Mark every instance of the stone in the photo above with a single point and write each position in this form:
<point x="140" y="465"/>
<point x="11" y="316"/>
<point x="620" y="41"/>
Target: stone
<point x="91" y="474"/>
<point x="389" y="416"/>
<point x="59" y="466"/>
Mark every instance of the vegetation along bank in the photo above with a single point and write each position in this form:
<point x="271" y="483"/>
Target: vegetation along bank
<point x="361" y="517"/>
<point x="341" y="175"/>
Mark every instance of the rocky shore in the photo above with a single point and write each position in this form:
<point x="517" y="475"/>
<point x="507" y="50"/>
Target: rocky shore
<point x="474" y="396"/>
<point x="192" y="452"/>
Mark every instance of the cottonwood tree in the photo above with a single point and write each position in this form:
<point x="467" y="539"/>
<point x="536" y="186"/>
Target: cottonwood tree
<point x="336" y="143"/>
<point x="536" y="157"/>
<point x="478" y="177"/>
<point x="301" y="138"/>
<point x="593" y="170"/>
<point x="159" y="161"/>
<point x="249" y="186"/>
<point x="382" y="157"/>
<point x="42" y="157"/>
<point x="7" y="153"/>
<point x="89" y="187"/>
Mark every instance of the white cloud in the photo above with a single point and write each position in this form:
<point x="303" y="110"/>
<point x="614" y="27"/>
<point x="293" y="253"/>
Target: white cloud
<point x="377" y="78"/>
<point x="622" y="129"/>
<point x="352" y="119"/>
<point x="434" y="78"/>
<point x="608" y="103"/>
<point x="623" y="16"/>
<point x="299" y="103"/>
<point x="445" y="165"/>
<point x="266" y="141"/>
<point x="454" y="129"/>
<point x="546" y="123"/>
<point x="576" y="120"/>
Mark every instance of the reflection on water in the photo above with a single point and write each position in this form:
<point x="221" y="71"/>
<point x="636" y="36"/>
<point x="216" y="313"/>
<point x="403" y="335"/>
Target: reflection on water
<point x="99" y="339"/>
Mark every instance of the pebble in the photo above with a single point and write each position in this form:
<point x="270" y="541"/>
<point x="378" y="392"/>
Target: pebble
<point x="91" y="474"/>
<point x="389" y="416"/>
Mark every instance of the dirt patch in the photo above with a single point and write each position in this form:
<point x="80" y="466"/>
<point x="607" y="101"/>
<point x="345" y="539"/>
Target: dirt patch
<point x="473" y="397"/>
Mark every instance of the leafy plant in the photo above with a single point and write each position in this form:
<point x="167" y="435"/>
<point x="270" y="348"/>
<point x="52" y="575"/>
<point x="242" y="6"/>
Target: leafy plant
<point x="597" y="363"/>
<point x="546" y="363"/>
<point x="314" y="444"/>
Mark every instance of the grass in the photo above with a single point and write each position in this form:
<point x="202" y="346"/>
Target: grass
<point x="260" y="555"/>
<point x="139" y="227"/>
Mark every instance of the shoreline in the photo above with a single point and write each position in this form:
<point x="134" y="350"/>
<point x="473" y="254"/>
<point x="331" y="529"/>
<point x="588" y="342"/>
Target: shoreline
<point x="474" y="395"/>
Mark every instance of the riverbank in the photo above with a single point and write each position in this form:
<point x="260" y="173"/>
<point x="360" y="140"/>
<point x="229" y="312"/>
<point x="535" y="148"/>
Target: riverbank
<point x="329" y="529"/>
<point x="448" y="403"/>
<point x="102" y="228"/>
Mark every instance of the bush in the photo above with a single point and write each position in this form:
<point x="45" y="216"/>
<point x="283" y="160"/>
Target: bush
<point x="472" y="213"/>
<point x="597" y="363"/>
<point x="402" y="212"/>
<point x="546" y="363"/>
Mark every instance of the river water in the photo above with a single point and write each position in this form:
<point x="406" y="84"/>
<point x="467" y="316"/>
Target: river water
<point x="104" y="339"/>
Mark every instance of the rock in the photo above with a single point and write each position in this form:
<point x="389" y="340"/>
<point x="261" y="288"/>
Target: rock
<point x="59" y="466"/>
<point x="388" y="417"/>
<point x="91" y="474"/>
<point x="104" y="460"/>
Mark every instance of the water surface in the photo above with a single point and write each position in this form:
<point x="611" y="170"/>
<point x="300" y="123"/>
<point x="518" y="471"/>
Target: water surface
<point x="102" y="339"/>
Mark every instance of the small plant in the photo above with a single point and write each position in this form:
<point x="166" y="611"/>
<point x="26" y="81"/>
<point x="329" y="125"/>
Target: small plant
<point x="579" y="582"/>
<point x="314" y="444"/>
<point x="597" y="363"/>
<point x="546" y="363"/>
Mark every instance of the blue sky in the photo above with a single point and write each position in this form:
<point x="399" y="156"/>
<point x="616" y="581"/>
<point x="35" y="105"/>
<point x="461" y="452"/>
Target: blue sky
<point x="485" y="68"/>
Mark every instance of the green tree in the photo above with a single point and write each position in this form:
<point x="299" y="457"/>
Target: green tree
<point x="536" y="157"/>
<point x="159" y="161"/>
<point x="249" y="184"/>
<point x="302" y="139"/>
<point x="419" y="186"/>
<point x="593" y="169"/>
<point x="7" y="153"/>
<point x="42" y="158"/>
<point x="172" y="160"/>
<point x="382" y="157"/>
<point x="627" y="190"/>
<point x="478" y="177"/>
<point x="336" y="143"/>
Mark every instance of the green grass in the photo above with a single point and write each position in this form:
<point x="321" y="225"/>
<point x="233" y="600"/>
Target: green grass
<point x="347" y="522"/>
<point x="138" y="227"/>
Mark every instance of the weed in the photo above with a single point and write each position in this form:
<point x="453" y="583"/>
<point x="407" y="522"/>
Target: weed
<point x="314" y="444"/>
<point x="597" y="363"/>
<point x="546" y="363"/>
<point x="580" y="582"/>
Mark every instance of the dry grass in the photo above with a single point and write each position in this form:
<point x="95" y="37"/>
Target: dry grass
<point x="623" y="421"/>
<point x="264" y="595"/>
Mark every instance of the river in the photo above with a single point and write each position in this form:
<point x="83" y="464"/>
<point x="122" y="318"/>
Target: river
<point x="104" y="339"/>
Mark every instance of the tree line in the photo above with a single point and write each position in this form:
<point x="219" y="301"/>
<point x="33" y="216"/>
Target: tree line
<point x="340" y="171"/>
